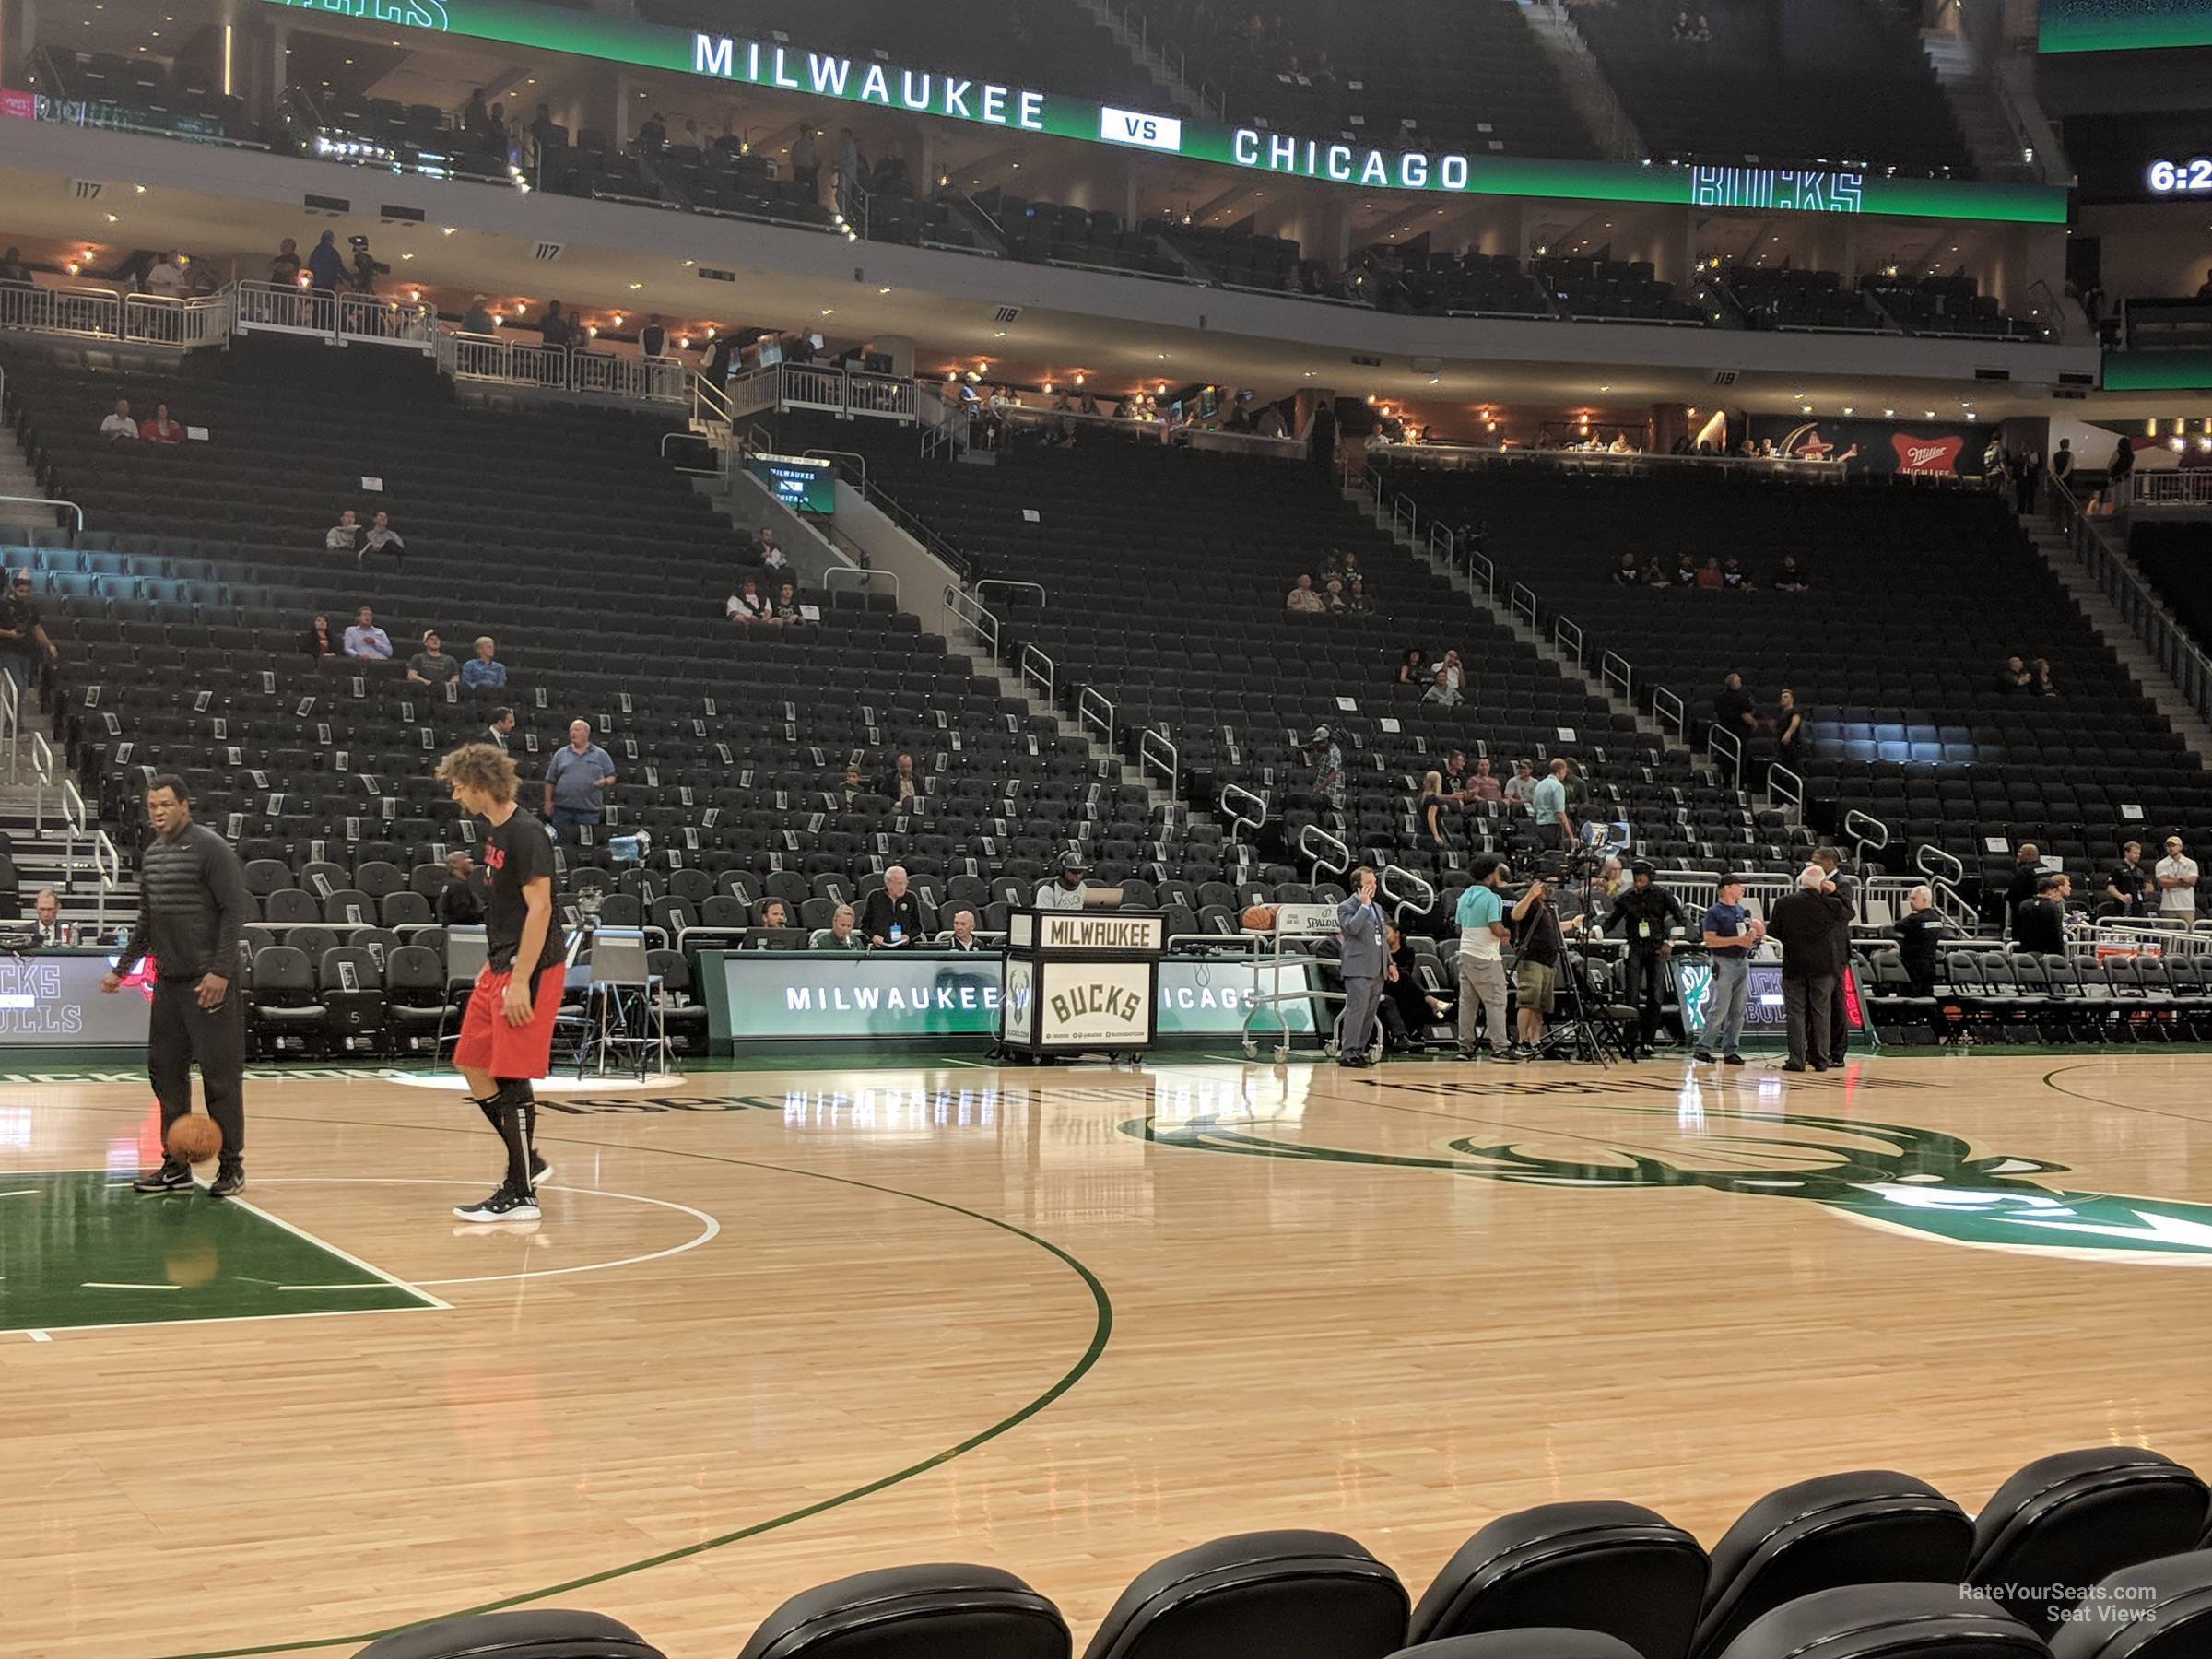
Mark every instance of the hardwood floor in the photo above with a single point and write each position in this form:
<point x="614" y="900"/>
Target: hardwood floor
<point x="779" y="1326"/>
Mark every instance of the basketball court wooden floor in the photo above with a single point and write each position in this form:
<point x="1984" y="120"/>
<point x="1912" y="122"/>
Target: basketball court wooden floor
<point x="777" y="1326"/>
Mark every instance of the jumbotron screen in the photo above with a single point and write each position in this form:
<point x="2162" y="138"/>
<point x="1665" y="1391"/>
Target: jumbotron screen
<point x="2125" y="25"/>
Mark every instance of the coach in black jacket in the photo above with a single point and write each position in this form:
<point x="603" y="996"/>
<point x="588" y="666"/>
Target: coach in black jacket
<point x="191" y="916"/>
<point x="1807" y="925"/>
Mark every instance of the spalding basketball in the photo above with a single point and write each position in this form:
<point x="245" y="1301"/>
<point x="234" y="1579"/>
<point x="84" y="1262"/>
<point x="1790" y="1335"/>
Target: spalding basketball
<point x="195" y="1140"/>
<point x="1259" y="918"/>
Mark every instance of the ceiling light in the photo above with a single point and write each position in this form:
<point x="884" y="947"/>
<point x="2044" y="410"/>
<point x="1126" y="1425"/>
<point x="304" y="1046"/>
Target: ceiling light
<point x="635" y="286"/>
<point x="883" y="291"/>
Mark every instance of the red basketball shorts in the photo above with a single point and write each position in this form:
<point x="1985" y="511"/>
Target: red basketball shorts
<point x="488" y="1043"/>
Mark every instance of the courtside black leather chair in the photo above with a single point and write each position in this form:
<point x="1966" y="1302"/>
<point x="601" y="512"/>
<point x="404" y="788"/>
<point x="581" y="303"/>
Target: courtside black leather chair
<point x="2160" y="1610"/>
<point x="1614" y="1567"/>
<point x="915" y="1613"/>
<point x="1523" y="1644"/>
<point x="538" y="1633"/>
<point x="1870" y="1526"/>
<point x="2075" y="1518"/>
<point x="1259" y="1596"/>
<point x="1888" y="1621"/>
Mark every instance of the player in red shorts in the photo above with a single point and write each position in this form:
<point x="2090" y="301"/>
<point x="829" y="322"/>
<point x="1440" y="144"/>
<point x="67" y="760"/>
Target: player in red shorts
<point x="507" y="1034"/>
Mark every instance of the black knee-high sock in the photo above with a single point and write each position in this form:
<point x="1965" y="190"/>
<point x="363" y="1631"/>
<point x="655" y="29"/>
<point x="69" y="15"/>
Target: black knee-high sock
<point x="514" y="1129"/>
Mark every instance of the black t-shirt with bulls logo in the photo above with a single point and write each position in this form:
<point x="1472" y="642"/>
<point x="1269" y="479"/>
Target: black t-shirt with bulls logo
<point x="516" y="853"/>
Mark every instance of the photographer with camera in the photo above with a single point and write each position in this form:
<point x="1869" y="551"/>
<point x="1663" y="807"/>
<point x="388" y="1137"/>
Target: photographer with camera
<point x="1539" y="942"/>
<point x="1645" y="916"/>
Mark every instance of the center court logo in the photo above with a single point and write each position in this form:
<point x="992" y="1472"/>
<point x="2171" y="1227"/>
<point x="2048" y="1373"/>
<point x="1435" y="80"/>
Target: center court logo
<point x="1886" y="1175"/>
<point x="410" y="14"/>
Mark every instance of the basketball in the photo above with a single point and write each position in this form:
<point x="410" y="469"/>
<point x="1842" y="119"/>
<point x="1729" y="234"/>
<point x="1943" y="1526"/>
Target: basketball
<point x="1259" y="918"/>
<point x="195" y="1140"/>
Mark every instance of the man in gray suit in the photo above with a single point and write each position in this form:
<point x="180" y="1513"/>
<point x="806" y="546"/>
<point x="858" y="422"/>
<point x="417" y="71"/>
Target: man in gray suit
<point x="1364" y="961"/>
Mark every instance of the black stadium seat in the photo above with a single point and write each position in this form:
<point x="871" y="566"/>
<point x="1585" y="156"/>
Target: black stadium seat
<point x="1258" y="1596"/>
<point x="1900" y="1620"/>
<point x="1613" y="1567"/>
<point x="914" y="1613"/>
<point x="1871" y="1526"/>
<point x="2160" y="1610"/>
<point x="537" y="1633"/>
<point x="1523" y="1643"/>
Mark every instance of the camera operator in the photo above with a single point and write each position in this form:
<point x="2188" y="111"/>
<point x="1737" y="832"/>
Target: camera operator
<point x="1482" y="936"/>
<point x="1644" y="915"/>
<point x="1539" y="941"/>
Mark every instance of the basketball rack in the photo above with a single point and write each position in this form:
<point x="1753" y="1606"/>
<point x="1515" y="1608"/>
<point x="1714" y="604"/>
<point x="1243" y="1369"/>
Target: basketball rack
<point x="1295" y="923"/>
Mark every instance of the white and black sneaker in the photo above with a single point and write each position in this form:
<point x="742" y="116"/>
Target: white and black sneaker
<point x="506" y="1204"/>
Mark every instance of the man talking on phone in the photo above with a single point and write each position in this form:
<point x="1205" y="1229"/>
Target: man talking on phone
<point x="1365" y="961"/>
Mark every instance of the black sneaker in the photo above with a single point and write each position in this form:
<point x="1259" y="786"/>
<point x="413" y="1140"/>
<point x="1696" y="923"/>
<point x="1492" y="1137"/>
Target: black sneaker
<point x="1732" y="1059"/>
<point x="171" y="1177"/>
<point x="506" y="1204"/>
<point x="229" y="1181"/>
<point x="1701" y="1056"/>
<point x="1793" y="1066"/>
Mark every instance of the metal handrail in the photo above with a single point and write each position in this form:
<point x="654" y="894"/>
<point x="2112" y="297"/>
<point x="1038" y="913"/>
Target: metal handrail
<point x="1001" y="582"/>
<point x="1668" y="711"/>
<point x="838" y="454"/>
<point x="1952" y="906"/>
<point x="41" y="776"/>
<point x="1865" y="830"/>
<point x="861" y="579"/>
<point x="967" y="609"/>
<point x="1030" y="658"/>
<point x="1089" y="700"/>
<point x="2139" y="605"/>
<point x="11" y="725"/>
<point x="1613" y="669"/>
<point x="1421" y="901"/>
<point x="1521" y="602"/>
<point x="1238" y="818"/>
<point x="1786" y="785"/>
<point x="46" y="501"/>
<point x="1932" y="860"/>
<point x="1308" y="835"/>
<point x="1156" y="750"/>
<point x="1561" y="631"/>
<point x="1724" y="744"/>
<point x="106" y="871"/>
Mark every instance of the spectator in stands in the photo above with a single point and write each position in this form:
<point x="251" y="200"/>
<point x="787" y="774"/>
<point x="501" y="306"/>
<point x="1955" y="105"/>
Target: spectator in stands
<point x="2039" y="679"/>
<point x="2039" y="926"/>
<point x="284" y="270"/>
<point x="161" y="429"/>
<point x="326" y="264"/>
<point x="475" y="115"/>
<point x="366" y="641"/>
<point x="902" y="785"/>
<point x="1789" y="579"/>
<point x="840" y="935"/>
<point x="383" y="538"/>
<point x="1326" y="758"/>
<point x="23" y="643"/>
<point x="1654" y="574"/>
<point x="806" y="161"/>
<point x="747" y="605"/>
<point x="1626" y="574"/>
<point x="1732" y="709"/>
<point x="2176" y="877"/>
<point x="652" y="339"/>
<point x="1430" y="813"/>
<point x="503" y="722"/>
<point x="1709" y="576"/>
<point x="1483" y="933"/>
<point x="165" y="277"/>
<point x="1446" y="689"/>
<point x="321" y="641"/>
<point x="652" y="134"/>
<point x="1356" y="598"/>
<point x="1645" y="917"/>
<point x="478" y="319"/>
<point x="1481" y="784"/>
<point x="577" y="780"/>
<point x="1732" y="574"/>
<point x="786" y="605"/>
<point x="771" y="553"/>
<point x="1685" y="572"/>
<point x="484" y="668"/>
<point x="1806" y="923"/>
<point x="962" y="938"/>
<point x="46" y="917"/>
<point x="1730" y="934"/>
<point x="2014" y="677"/>
<point x="852" y="170"/>
<point x="773" y="915"/>
<point x="1066" y="889"/>
<point x="2027" y="870"/>
<point x="344" y="535"/>
<point x="546" y="137"/>
<point x="430" y="666"/>
<point x="892" y="918"/>
<point x="852" y="789"/>
<point x="460" y="901"/>
<point x="2130" y="889"/>
<point x="1521" y="788"/>
<point x="554" y="328"/>
<point x="119" y="424"/>
<point x="1454" y="774"/>
<point x="2062" y="461"/>
<point x="14" y="273"/>
<point x="1332" y="597"/>
<point x="1304" y="600"/>
<point x="1406" y="1007"/>
<point x="1555" y="829"/>
<point x="1413" y="667"/>
<point x="1789" y="729"/>
<point x="1920" y="939"/>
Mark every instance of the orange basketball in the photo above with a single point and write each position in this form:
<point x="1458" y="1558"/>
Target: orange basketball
<point x="1259" y="918"/>
<point x="195" y="1140"/>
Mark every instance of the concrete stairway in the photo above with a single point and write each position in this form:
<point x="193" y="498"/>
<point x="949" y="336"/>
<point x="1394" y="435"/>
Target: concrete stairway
<point x="46" y="857"/>
<point x="17" y="479"/>
<point x="1975" y="104"/>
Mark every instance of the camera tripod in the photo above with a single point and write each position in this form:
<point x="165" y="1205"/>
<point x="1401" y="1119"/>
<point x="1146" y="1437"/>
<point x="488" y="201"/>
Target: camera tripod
<point x="1584" y="1037"/>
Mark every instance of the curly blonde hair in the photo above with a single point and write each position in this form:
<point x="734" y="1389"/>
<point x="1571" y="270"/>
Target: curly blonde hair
<point x="480" y="765"/>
